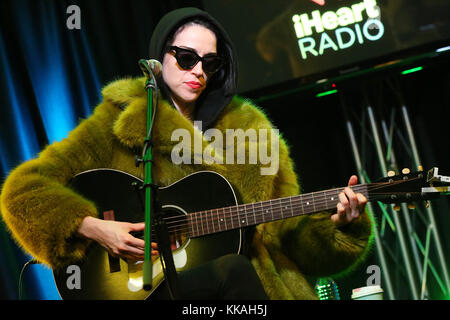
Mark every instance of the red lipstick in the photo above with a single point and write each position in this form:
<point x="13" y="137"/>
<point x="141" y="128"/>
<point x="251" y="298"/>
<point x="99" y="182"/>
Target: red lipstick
<point x="194" y="84"/>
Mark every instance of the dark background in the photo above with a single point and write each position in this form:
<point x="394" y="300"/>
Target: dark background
<point x="52" y="76"/>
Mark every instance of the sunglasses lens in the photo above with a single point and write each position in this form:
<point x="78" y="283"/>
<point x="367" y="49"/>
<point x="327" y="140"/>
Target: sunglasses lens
<point x="212" y="64"/>
<point x="186" y="59"/>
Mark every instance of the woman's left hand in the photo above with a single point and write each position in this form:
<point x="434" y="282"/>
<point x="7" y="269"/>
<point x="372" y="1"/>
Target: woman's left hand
<point x="350" y="204"/>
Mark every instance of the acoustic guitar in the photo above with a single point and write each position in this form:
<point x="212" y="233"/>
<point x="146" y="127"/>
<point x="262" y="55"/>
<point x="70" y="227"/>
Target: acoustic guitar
<point x="204" y="221"/>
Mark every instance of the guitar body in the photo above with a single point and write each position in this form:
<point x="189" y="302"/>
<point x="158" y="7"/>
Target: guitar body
<point x="100" y="276"/>
<point x="204" y="222"/>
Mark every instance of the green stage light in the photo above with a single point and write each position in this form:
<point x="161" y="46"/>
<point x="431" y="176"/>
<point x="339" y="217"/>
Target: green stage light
<point x="326" y="93"/>
<point x="411" y="70"/>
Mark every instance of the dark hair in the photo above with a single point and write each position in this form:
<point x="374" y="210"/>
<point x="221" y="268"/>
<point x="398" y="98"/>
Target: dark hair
<point x="196" y="21"/>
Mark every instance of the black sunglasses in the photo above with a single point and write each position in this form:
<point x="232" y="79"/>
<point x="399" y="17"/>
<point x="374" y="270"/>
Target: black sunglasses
<point x="188" y="59"/>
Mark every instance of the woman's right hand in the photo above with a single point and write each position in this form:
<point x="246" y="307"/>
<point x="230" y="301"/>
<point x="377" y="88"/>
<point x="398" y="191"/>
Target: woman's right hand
<point x="115" y="237"/>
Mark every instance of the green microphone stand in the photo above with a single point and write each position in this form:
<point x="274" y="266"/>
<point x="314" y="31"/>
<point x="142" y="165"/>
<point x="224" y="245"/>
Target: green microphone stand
<point x="153" y="212"/>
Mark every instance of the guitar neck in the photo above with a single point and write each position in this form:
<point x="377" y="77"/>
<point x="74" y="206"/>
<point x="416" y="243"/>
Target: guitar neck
<point x="234" y="217"/>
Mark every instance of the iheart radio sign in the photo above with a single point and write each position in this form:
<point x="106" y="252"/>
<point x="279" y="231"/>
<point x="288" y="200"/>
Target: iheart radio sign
<point x="358" y="22"/>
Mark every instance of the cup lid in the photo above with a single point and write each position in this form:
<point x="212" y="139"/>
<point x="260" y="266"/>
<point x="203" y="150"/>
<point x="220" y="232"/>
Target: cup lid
<point x="364" y="291"/>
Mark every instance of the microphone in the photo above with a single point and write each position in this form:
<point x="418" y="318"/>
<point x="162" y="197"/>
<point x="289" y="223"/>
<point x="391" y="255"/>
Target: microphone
<point x="151" y="67"/>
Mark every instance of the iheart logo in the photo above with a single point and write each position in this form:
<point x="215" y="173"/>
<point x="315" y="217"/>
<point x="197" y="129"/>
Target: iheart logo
<point x="319" y="2"/>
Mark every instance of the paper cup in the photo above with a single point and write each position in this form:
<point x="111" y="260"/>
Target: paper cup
<point x="368" y="293"/>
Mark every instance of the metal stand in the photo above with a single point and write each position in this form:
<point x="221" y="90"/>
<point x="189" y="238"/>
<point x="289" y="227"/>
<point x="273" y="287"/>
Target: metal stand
<point x="154" y="216"/>
<point x="432" y="226"/>
<point x="371" y="212"/>
<point x="409" y="243"/>
<point x="398" y="225"/>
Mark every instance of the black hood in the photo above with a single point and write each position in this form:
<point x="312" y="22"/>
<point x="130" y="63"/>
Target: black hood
<point x="222" y="86"/>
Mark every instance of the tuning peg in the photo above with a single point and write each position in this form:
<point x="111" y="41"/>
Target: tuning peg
<point x="397" y="207"/>
<point x="406" y="171"/>
<point x="411" y="206"/>
<point x="391" y="173"/>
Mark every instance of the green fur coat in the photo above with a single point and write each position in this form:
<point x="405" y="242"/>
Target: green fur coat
<point x="43" y="215"/>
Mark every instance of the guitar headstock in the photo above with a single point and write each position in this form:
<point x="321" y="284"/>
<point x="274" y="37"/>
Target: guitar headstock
<point x="409" y="186"/>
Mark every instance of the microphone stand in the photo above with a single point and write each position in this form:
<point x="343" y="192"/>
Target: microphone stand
<point x="154" y="217"/>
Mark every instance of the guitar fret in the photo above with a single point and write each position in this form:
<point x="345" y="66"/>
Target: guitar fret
<point x="260" y="213"/>
<point x="319" y="201"/>
<point x="274" y="208"/>
<point x="292" y="209"/>
<point x="266" y="211"/>
<point x="262" y="217"/>
<point x="313" y="201"/>
<point x="332" y="199"/>
<point x="196" y="223"/>
<point x="212" y="216"/>
<point x="301" y="202"/>
<point x="219" y="225"/>
<point x="201" y="222"/>
<point x="240" y="220"/>
<point x="225" y="219"/>
<point x="206" y="219"/>
<point x="290" y="204"/>
<point x="328" y="199"/>
<point x="271" y="210"/>
<point x="307" y="203"/>
<point x="192" y="216"/>
<point x="222" y="221"/>
<point x="278" y="203"/>
<point x="316" y="201"/>
<point x="285" y="207"/>
<point x="212" y="219"/>
<point x="239" y="215"/>
<point x="191" y="225"/>
<point x="243" y="221"/>
<point x="335" y="197"/>
<point x="233" y="217"/>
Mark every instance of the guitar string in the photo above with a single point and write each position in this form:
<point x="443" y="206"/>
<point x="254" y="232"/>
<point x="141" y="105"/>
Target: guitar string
<point x="182" y="226"/>
<point x="212" y="218"/>
<point x="276" y="210"/>
<point x="185" y="228"/>
<point x="302" y="198"/>
<point x="295" y="198"/>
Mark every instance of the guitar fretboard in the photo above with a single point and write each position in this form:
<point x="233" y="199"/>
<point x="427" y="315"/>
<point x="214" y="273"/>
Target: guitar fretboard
<point x="233" y="217"/>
